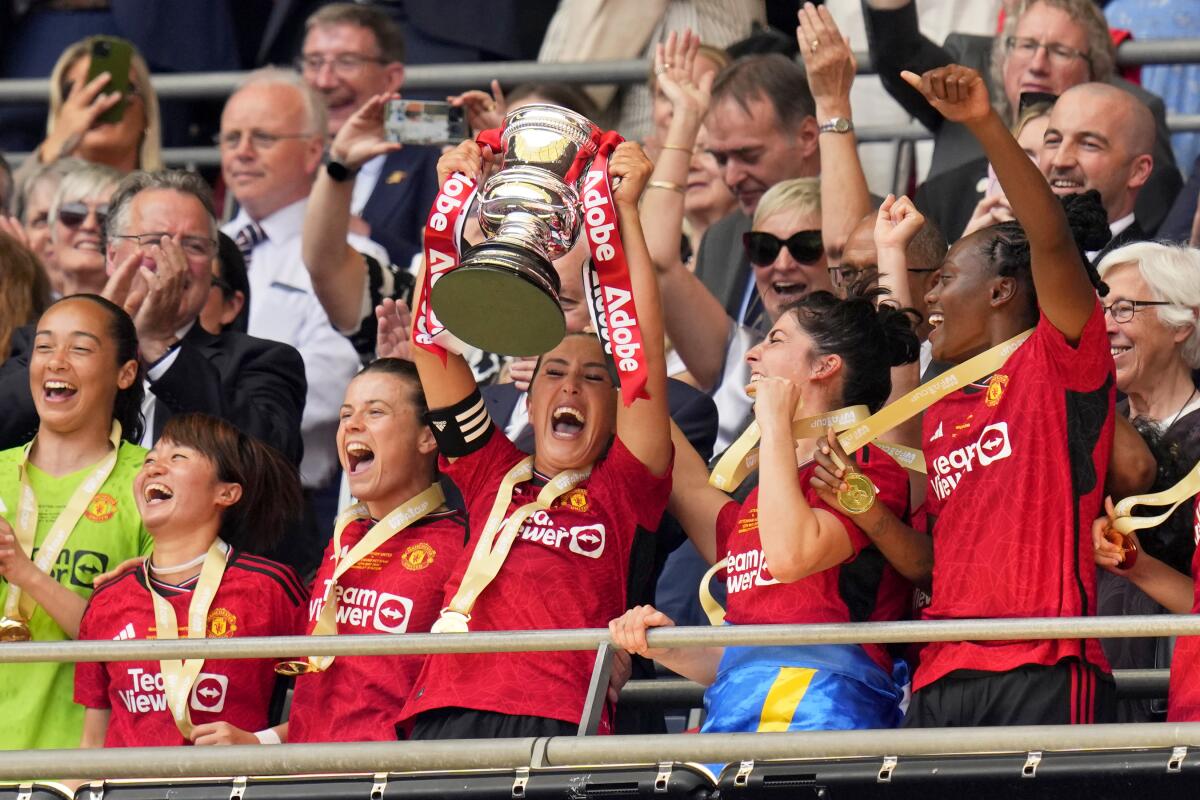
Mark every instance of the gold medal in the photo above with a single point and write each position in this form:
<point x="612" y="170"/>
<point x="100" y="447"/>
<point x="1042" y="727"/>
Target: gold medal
<point x="14" y="630"/>
<point x="860" y="496"/>
<point x="290" y="669"/>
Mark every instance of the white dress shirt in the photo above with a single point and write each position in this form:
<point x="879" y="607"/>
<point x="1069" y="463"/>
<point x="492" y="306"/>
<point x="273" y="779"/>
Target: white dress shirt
<point x="284" y="308"/>
<point x="1115" y="229"/>
<point x="364" y="184"/>
<point x="154" y="373"/>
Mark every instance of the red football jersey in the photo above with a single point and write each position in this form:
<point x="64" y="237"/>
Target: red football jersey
<point x="567" y="569"/>
<point x="397" y="588"/>
<point x="1016" y="475"/>
<point x="863" y="588"/>
<point x="256" y="597"/>
<point x="1183" y="701"/>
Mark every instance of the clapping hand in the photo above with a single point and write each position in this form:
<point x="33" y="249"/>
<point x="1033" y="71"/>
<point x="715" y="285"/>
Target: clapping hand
<point x="15" y="564"/>
<point x="393" y="337"/>
<point x="957" y="92"/>
<point x="156" y="302"/>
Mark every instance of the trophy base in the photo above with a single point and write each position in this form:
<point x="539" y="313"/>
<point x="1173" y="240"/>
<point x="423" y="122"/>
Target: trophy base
<point x="502" y="299"/>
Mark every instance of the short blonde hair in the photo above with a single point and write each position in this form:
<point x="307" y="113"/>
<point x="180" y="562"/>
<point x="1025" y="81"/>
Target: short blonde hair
<point x="86" y="180"/>
<point x="797" y="195"/>
<point x="150" y="150"/>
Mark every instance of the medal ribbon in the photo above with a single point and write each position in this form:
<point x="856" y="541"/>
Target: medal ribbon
<point x="730" y="473"/>
<point x="1188" y="487"/>
<point x="180" y="676"/>
<point x="616" y="314"/>
<point x="407" y="514"/>
<point x="497" y="539"/>
<point x="712" y="609"/>
<point x="19" y="605"/>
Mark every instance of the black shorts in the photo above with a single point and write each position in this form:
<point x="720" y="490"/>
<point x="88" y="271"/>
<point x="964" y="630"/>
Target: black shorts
<point x="1068" y="693"/>
<point x="466" y="723"/>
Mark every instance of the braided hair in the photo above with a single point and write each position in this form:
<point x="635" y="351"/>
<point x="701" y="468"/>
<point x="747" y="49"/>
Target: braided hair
<point x="1009" y="254"/>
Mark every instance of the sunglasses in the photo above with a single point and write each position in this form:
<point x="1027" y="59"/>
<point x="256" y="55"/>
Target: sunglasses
<point x="73" y="214"/>
<point x="763" y="248"/>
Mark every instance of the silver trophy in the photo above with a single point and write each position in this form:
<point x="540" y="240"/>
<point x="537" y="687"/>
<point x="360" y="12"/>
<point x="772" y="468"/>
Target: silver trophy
<point x="503" y="297"/>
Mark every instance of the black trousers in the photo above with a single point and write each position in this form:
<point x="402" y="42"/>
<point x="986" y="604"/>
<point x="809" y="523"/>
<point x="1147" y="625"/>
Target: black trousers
<point x="1068" y="693"/>
<point x="466" y="723"/>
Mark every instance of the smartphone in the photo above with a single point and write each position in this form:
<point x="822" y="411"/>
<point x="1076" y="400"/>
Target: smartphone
<point x="424" y="122"/>
<point x="112" y="55"/>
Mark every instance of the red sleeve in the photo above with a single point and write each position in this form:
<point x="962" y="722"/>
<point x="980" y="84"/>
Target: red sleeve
<point x="1084" y="366"/>
<point x="891" y="482"/>
<point x="91" y="677"/>
<point x="471" y="473"/>
<point x="627" y="480"/>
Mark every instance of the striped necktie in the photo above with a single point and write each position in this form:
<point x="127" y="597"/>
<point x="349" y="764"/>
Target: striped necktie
<point x="248" y="238"/>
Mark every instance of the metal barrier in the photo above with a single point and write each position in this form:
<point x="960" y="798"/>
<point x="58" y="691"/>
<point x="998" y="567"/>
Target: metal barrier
<point x="592" y="638"/>
<point x="374" y="757"/>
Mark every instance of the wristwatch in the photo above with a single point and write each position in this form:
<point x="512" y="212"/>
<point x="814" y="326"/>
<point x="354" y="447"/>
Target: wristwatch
<point x="836" y="125"/>
<point x="337" y="170"/>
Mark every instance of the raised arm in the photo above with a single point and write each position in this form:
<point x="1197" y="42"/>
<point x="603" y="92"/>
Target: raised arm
<point x="451" y="382"/>
<point x="829" y="64"/>
<point x="896" y="224"/>
<point x="797" y="539"/>
<point x="896" y="43"/>
<point x="338" y="271"/>
<point x="1065" y="293"/>
<point x="694" y="320"/>
<point x="645" y="425"/>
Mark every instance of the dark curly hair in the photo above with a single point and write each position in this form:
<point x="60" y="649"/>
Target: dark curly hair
<point x="1008" y="248"/>
<point x="870" y="336"/>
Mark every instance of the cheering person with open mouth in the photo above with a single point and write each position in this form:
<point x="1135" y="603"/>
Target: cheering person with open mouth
<point x="66" y="505"/>
<point x="550" y="533"/>
<point x="210" y="496"/>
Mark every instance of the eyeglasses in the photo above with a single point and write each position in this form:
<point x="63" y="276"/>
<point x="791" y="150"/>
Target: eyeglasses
<point x="1027" y="47"/>
<point x="259" y="140"/>
<point x="347" y="65"/>
<point x="763" y="248"/>
<point x="842" y="276"/>
<point x="192" y="246"/>
<point x="1123" y="310"/>
<point x="74" y="214"/>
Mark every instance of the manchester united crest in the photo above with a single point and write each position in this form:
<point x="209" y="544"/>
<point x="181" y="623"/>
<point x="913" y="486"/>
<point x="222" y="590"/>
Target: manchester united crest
<point x="995" y="390"/>
<point x="576" y="500"/>
<point x="101" y="508"/>
<point x="418" y="556"/>
<point x="221" y="623"/>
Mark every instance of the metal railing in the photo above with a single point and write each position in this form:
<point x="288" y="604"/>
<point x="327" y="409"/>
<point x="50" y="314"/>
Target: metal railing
<point x="568" y="751"/>
<point x="592" y="638"/>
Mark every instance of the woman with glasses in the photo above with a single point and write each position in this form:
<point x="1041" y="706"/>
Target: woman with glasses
<point x="212" y="498"/>
<point x="1151" y="312"/>
<point x="77" y="216"/>
<point x="74" y="126"/>
<point x="66" y="498"/>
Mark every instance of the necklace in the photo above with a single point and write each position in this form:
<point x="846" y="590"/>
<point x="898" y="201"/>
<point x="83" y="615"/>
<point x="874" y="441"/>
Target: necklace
<point x="178" y="568"/>
<point x="1178" y="413"/>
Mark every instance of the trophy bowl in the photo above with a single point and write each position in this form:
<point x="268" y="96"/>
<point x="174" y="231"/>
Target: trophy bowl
<point x="503" y="296"/>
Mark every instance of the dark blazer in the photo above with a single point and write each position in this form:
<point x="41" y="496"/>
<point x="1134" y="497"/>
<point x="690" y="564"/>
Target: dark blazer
<point x="1178" y="225"/>
<point x="400" y="203"/>
<point x="1134" y="233"/>
<point x="721" y="262"/>
<point x="256" y="384"/>
<point x="896" y="44"/>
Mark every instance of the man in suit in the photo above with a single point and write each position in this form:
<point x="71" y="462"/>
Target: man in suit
<point x="762" y="129"/>
<point x="351" y="53"/>
<point x="161" y="245"/>
<point x="1101" y="137"/>
<point x="1050" y="47"/>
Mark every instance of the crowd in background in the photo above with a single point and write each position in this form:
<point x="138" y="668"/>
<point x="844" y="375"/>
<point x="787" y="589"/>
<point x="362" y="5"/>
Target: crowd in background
<point x="215" y="417"/>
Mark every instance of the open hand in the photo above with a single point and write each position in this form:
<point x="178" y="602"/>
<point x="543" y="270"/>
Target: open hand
<point x="363" y="137"/>
<point x="991" y="210"/>
<point x="393" y="337"/>
<point x="957" y="92"/>
<point x="828" y="60"/>
<point x="12" y="227"/>
<point x="674" y="65"/>
<point x="117" y="571"/>
<point x="79" y="113"/>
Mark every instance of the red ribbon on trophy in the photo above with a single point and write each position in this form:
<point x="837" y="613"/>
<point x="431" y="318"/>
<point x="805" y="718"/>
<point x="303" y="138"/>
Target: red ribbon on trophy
<point x="615" y="315"/>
